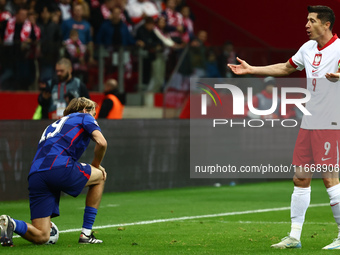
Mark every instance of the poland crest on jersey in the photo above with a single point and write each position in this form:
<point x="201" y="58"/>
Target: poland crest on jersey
<point x="317" y="59"/>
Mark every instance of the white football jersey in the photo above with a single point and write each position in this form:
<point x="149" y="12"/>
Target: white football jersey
<point x="324" y="104"/>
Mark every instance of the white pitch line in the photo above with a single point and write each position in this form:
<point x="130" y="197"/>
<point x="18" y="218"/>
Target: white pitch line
<point x="189" y="218"/>
<point x="278" y="222"/>
<point x="102" y="206"/>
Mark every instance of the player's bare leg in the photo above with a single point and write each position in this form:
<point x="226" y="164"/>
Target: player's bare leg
<point x="96" y="187"/>
<point x="331" y="181"/>
<point x="299" y="203"/>
<point x="38" y="232"/>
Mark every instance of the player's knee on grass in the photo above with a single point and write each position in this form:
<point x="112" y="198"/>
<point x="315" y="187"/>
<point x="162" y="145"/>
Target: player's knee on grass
<point x="42" y="239"/>
<point x="39" y="231"/>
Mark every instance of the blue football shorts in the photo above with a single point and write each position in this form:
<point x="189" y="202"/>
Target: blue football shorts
<point x="45" y="188"/>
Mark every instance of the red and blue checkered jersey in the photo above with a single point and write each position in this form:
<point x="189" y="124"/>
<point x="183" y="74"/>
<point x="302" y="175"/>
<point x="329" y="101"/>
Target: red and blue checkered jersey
<point x="64" y="141"/>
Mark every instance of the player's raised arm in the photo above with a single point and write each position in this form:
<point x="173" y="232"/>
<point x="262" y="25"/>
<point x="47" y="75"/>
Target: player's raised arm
<point x="100" y="148"/>
<point x="281" y="69"/>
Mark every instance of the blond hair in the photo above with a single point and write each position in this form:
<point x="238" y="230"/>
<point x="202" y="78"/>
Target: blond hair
<point x="79" y="104"/>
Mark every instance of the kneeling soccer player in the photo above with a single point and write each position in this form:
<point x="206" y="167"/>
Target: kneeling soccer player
<point x="55" y="169"/>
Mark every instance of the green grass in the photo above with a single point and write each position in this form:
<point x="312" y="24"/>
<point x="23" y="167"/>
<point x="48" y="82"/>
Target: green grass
<point x="251" y="233"/>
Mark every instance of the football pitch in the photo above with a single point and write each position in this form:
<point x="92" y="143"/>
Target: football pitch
<point x="241" y="219"/>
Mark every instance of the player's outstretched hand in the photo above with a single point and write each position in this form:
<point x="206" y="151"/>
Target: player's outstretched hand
<point x="333" y="77"/>
<point x="242" y="68"/>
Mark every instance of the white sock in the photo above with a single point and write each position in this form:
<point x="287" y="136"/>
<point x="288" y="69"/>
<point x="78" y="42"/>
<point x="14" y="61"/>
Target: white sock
<point x="298" y="207"/>
<point x="86" y="231"/>
<point x="334" y="197"/>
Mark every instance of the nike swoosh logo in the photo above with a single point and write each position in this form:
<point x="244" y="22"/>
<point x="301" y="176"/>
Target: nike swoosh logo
<point x="324" y="159"/>
<point x="335" y="204"/>
<point x="313" y="71"/>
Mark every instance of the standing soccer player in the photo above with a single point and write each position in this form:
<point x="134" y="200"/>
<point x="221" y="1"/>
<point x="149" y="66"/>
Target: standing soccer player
<point x="319" y="136"/>
<point x="55" y="169"/>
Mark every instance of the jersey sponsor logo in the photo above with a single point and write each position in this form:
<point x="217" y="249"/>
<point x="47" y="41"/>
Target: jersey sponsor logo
<point x="324" y="159"/>
<point x="317" y="59"/>
<point x="78" y="26"/>
<point x="314" y="73"/>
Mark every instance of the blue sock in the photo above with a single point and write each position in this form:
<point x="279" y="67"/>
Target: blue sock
<point x="89" y="217"/>
<point x="21" y="227"/>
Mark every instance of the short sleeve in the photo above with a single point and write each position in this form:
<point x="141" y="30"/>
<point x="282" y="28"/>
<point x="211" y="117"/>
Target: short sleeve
<point x="90" y="124"/>
<point x="297" y="61"/>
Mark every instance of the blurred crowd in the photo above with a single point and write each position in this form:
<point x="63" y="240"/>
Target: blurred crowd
<point x="35" y="34"/>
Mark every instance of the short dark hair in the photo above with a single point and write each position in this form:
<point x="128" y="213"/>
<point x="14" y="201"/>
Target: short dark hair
<point x="20" y="7"/>
<point x="149" y="20"/>
<point x="324" y="14"/>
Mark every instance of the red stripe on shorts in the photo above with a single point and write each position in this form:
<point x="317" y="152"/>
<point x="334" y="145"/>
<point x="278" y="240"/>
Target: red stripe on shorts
<point x="85" y="174"/>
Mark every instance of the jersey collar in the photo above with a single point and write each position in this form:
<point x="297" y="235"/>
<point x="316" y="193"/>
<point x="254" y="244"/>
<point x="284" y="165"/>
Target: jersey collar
<point x="329" y="42"/>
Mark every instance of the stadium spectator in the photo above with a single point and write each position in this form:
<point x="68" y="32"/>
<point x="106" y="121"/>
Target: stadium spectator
<point x="55" y="169"/>
<point x="75" y="50"/>
<point x="51" y="4"/>
<point x="100" y="14"/>
<point x="197" y="53"/>
<point x="82" y="26"/>
<point x="43" y="109"/>
<point x="86" y="8"/>
<point x="125" y="15"/>
<point x="77" y="22"/>
<point x="32" y="17"/>
<point x="211" y="67"/>
<point x="159" y="65"/>
<point x="18" y="35"/>
<point x="180" y="4"/>
<point x="162" y="33"/>
<point x="188" y="24"/>
<point x="140" y="9"/>
<point x="148" y="40"/>
<point x="61" y="90"/>
<point x="4" y="14"/>
<point x="33" y="48"/>
<point x="228" y="56"/>
<point x="56" y="17"/>
<point x="31" y="5"/>
<point x="317" y="140"/>
<point x="264" y="100"/>
<point x="112" y="106"/>
<point x="66" y="9"/>
<point x="49" y="44"/>
<point x="12" y="6"/>
<point x="94" y="4"/>
<point x="114" y="33"/>
<point x="174" y="21"/>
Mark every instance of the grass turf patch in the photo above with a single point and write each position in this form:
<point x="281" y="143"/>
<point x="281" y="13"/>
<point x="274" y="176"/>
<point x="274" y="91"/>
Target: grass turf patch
<point x="248" y="233"/>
